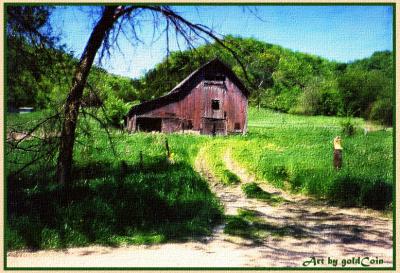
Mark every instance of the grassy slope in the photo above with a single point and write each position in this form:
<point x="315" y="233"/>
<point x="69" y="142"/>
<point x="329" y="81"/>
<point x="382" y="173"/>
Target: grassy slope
<point x="296" y="152"/>
<point x="118" y="200"/>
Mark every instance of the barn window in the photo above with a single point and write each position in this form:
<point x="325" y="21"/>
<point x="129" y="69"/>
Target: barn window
<point x="215" y="104"/>
<point x="214" y="77"/>
<point x="220" y="77"/>
<point x="237" y="126"/>
<point x="225" y="114"/>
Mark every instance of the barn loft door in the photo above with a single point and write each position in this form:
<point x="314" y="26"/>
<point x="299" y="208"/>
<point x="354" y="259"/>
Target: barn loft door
<point x="214" y="101"/>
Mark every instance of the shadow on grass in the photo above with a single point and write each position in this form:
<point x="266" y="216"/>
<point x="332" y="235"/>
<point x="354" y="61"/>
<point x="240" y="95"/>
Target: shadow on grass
<point x="112" y="204"/>
<point x="249" y="225"/>
<point x="252" y="190"/>
<point x="308" y="229"/>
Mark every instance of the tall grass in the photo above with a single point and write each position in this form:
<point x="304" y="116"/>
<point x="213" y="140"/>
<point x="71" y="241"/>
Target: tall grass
<point x="214" y="153"/>
<point x="129" y="193"/>
<point x="298" y="156"/>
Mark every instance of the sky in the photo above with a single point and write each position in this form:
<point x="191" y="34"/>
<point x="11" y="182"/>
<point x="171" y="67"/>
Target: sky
<point x="339" y="33"/>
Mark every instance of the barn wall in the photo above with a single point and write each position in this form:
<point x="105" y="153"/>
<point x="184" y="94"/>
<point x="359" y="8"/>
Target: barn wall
<point x="170" y="125"/>
<point x="197" y="105"/>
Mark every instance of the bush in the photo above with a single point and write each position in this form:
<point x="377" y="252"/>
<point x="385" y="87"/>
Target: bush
<point x="346" y="190"/>
<point x="382" y="111"/>
<point x="144" y="206"/>
<point x="29" y="228"/>
<point x="349" y="190"/>
<point x="50" y="239"/>
<point x="286" y="99"/>
<point x="14" y="240"/>
<point x="116" y="109"/>
<point x="377" y="195"/>
<point x="348" y="127"/>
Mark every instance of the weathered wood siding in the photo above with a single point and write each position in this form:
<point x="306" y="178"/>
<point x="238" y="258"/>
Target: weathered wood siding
<point x="197" y="106"/>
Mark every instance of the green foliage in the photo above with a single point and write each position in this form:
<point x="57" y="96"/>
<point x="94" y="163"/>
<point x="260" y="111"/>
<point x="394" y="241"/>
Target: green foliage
<point x="320" y="97"/>
<point x="148" y="203"/>
<point x="43" y="82"/>
<point x="157" y="201"/>
<point x="349" y="190"/>
<point x="115" y="111"/>
<point x="284" y="80"/>
<point x="348" y="127"/>
<point x="382" y="111"/>
<point x="368" y="83"/>
<point x="277" y="78"/>
<point x="295" y="153"/>
<point x="50" y="239"/>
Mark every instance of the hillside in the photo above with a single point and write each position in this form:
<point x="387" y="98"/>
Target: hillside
<point x="288" y="81"/>
<point x="278" y="78"/>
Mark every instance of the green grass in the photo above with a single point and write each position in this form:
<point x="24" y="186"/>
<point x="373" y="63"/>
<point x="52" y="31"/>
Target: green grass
<point x="214" y="153"/>
<point x="299" y="158"/>
<point x="252" y="190"/>
<point x="116" y="199"/>
<point x="265" y="118"/>
<point x="249" y="225"/>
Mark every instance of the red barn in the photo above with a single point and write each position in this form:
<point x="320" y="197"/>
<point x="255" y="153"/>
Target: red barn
<point x="211" y="100"/>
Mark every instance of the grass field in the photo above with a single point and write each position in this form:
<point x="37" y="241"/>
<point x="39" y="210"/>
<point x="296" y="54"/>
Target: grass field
<point x="136" y="195"/>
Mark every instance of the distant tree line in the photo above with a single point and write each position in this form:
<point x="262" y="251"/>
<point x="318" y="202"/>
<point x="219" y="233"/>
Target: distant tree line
<point x="40" y="82"/>
<point x="278" y="79"/>
<point x="289" y="81"/>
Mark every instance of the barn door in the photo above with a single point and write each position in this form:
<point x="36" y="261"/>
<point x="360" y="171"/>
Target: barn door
<point x="214" y="126"/>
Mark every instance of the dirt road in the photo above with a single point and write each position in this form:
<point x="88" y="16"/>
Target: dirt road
<point x="313" y="229"/>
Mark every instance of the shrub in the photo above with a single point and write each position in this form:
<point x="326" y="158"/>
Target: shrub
<point x="345" y="190"/>
<point x="349" y="190"/>
<point x="377" y="195"/>
<point x="50" y="239"/>
<point x="382" y="111"/>
<point x="29" y="228"/>
<point x="348" y="127"/>
<point x="14" y="240"/>
<point x="116" y="109"/>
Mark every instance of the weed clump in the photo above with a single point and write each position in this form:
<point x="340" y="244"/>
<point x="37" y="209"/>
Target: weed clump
<point x="348" y="127"/>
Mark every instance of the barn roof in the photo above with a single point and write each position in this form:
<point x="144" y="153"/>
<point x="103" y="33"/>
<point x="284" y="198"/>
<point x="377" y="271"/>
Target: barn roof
<point x="183" y="88"/>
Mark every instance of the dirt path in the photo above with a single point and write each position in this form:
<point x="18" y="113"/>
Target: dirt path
<point x="311" y="227"/>
<point x="318" y="229"/>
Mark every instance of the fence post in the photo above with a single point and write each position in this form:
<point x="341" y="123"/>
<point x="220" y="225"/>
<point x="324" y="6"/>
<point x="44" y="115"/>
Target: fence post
<point x="337" y="153"/>
<point x="167" y="147"/>
<point x="141" y="160"/>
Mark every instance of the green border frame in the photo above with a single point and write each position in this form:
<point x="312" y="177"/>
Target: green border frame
<point x="393" y="268"/>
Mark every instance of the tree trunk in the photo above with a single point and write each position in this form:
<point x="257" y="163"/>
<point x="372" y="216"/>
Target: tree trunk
<point x="64" y="163"/>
